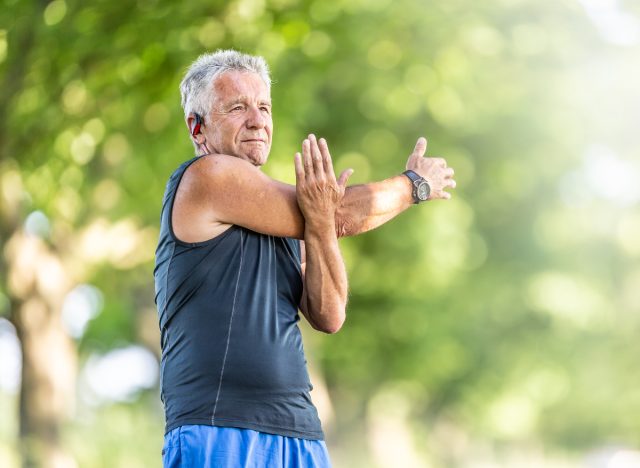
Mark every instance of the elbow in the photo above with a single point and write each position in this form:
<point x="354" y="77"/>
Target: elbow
<point x="332" y="328"/>
<point x="344" y="226"/>
<point x="332" y="325"/>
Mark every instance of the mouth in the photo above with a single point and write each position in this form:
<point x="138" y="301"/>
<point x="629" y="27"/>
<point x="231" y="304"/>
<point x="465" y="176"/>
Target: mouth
<point x="253" y="140"/>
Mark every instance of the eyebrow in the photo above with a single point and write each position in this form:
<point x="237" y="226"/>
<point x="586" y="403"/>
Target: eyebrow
<point x="242" y="99"/>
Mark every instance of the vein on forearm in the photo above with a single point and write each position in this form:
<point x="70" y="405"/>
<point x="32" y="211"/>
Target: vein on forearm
<point x="365" y="207"/>
<point x="325" y="278"/>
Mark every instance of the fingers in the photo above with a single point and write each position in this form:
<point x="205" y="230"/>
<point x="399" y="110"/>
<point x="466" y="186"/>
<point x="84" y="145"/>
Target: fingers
<point x="315" y="162"/>
<point x="306" y="157"/>
<point x="344" y="176"/>
<point x="326" y="158"/>
<point x="434" y="169"/>
<point x="447" y="184"/>
<point x="297" y="162"/>
<point x="316" y="155"/>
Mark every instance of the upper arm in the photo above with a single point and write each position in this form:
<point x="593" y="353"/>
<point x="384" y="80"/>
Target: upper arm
<point x="233" y="191"/>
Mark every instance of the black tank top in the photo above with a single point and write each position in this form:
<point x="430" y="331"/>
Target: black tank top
<point x="231" y="349"/>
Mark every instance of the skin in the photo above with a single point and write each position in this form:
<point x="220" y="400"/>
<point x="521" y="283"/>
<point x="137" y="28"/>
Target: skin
<point x="241" y="123"/>
<point x="227" y="187"/>
<point x="319" y="195"/>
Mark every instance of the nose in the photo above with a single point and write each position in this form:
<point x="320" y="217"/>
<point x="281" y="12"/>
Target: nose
<point x="255" y="118"/>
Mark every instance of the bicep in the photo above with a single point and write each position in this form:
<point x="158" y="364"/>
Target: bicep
<point x="237" y="192"/>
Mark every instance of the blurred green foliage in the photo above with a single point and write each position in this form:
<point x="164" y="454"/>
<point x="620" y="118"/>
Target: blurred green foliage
<point x="506" y="318"/>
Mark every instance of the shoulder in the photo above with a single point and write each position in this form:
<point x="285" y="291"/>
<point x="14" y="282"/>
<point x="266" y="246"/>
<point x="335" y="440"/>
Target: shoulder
<point x="229" y="190"/>
<point x="219" y="171"/>
<point x="214" y="172"/>
<point x="219" y="166"/>
<point x="199" y="195"/>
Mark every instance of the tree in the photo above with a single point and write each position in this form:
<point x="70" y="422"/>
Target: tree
<point x="510" y="303"/>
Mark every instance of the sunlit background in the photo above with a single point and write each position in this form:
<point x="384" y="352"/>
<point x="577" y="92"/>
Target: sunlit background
<point x="499" y="329"/>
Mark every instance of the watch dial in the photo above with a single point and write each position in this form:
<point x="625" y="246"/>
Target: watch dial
<point x="423" y="192"/>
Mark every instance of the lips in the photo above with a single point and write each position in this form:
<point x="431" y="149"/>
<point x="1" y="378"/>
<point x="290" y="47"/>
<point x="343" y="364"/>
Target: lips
<point x="253" y="140"/>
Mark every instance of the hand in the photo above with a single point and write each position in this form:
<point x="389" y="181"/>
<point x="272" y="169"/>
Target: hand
<point x="318" y="192"/>
<point x="433" y="170"/>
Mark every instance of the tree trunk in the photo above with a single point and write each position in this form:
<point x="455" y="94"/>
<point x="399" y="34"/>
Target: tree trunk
<point x="37" y="285"/>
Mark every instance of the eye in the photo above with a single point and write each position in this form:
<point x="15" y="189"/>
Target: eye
<point x="237" y="108"/>
<point x="266" y="109"/>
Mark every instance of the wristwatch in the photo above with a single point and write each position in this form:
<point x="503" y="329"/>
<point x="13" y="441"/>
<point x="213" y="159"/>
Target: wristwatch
<point x="421" y="189"/>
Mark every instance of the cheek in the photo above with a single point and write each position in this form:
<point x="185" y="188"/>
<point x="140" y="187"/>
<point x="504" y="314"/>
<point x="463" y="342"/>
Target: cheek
<point x="218" y="132"/>
<point x="227" y="134"/>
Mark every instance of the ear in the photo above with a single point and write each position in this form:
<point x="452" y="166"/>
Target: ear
<point x="195" y="124"/>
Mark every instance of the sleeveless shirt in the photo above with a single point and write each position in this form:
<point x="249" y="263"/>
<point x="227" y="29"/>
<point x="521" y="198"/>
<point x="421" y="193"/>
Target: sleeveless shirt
<point x="232" y="352"/>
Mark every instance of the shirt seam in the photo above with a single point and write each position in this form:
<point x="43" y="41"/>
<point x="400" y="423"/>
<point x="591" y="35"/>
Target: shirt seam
<point x="166" y="284"/>
<point x="275" y="292"/>
<point x="233" y="308"/>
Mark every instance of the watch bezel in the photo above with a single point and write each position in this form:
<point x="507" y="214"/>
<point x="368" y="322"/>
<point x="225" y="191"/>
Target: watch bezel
<point x="423" y="183"/>
<point x="416" y="182"/>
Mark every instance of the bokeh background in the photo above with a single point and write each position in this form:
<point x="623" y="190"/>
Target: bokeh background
<point x="499" y="329"/>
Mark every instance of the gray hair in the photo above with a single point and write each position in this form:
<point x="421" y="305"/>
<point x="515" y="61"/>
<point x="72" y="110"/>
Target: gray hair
<point x="196" y="90"/>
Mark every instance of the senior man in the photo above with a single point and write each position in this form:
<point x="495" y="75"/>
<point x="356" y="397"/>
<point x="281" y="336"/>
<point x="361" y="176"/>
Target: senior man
<point x="239" y="254"/>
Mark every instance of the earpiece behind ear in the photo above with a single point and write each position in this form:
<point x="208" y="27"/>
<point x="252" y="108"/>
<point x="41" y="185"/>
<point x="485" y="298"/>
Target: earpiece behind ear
<point x="196" y="126"/>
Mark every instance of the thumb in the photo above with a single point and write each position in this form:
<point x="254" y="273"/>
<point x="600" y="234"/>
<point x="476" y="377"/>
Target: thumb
<point x="418" y="152"/>
<point x="344" y="176"/>
<point x="420" y="148"/>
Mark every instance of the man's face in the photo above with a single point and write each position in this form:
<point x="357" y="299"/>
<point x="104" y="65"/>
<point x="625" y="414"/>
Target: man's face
<point x="239" y="123"/>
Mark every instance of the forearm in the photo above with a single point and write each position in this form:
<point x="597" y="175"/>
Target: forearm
<point x="325" y="295"/>
<point x="365" y="207"/>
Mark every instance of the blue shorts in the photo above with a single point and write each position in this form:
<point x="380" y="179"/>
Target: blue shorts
<point x="200" y="446"/>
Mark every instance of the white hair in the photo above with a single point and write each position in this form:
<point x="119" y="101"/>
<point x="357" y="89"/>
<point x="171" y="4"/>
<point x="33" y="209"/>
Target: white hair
<point x="196" y="87"/>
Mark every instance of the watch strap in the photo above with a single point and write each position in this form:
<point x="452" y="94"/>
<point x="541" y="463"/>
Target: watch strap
<point x="416" y="180"/>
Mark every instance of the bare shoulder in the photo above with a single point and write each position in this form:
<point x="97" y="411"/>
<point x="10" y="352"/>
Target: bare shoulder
<point x="219" y="166"/>
<point x="212" y="172"/>
<point x="193" y="216"/>
<point x="218" y="182"/>
<point x="218" y="191"/>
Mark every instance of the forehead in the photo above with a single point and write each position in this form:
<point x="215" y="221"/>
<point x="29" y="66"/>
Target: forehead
<point x="234" y="84"/>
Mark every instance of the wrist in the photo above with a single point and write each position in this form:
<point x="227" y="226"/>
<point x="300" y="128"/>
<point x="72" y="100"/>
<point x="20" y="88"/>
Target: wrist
<point x="420" y="188"/>
<point x="321" y="227"/>
<point x="404" y="187"/>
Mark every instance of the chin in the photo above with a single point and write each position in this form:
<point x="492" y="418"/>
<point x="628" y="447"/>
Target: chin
<point x="257" y="158"/>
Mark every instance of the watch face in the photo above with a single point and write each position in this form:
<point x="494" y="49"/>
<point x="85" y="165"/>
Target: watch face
<point x="423" y="191"/>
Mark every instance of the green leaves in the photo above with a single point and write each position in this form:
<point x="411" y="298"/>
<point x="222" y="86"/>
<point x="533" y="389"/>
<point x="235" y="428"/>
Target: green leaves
<point x="531" y="262"/>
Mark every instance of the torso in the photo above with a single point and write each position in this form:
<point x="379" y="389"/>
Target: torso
<point x="232" y="352"/>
